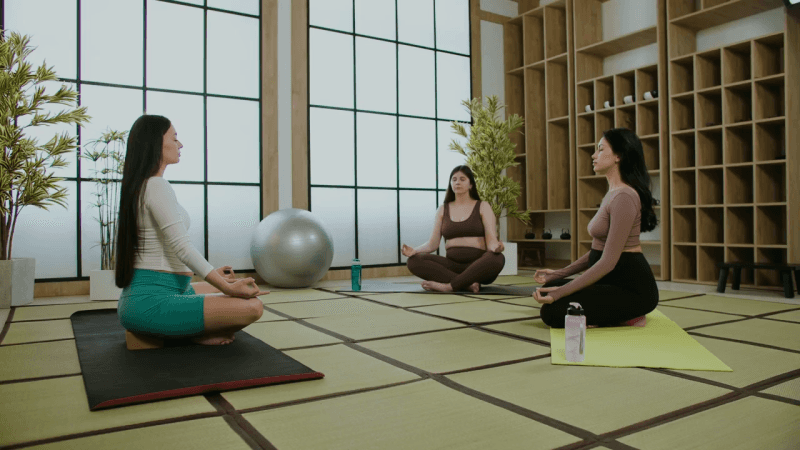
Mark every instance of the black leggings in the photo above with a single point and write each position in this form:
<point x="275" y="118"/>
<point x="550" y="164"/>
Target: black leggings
<point x="627" y="292"/>
<point x="462" y="266"/>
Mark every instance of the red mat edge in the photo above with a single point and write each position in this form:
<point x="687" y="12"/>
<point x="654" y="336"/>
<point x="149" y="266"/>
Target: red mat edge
<point x="194" y="390"/>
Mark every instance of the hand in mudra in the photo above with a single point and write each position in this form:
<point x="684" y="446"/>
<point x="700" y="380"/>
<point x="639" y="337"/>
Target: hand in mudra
<point x="541" y="275"/>
<point x="407" y="251"/>
<point x="244" y="288"/>
<point x="498" y="248"/>
<point x="226" y="272"/>
<point x="541" y="295"/>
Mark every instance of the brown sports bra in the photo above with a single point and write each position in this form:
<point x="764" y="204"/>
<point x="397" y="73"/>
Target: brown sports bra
<point x="471" y="227"/>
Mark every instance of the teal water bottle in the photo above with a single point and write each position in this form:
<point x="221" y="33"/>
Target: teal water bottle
<point x="355" y="274"/>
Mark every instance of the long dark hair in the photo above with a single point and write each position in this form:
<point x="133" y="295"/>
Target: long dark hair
<point x="633" y="171"/>
<point x="473" y="192"/>
<point x="142" y="161"/>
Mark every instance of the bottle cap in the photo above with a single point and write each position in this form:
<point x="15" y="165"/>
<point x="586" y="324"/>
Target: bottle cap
<point x="574" y="309"/>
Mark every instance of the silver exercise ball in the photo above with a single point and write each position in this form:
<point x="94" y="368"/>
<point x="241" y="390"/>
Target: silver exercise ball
<point x="291" y="248"/>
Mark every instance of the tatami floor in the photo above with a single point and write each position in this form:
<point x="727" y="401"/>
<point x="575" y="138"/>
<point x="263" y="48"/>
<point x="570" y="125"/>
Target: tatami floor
<point x="417" y="371"/>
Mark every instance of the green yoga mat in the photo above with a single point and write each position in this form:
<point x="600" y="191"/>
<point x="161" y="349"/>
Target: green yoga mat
<point x="661" y="343"/>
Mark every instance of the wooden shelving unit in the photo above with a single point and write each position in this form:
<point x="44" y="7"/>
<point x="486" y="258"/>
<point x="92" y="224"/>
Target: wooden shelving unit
<point x="730" y="168"/>
<point x="646" y="117"/>
<point x="539" y="87"/>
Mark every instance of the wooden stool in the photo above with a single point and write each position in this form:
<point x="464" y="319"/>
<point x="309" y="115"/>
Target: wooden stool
<point x="528" y="251"/>
<point x="136" y="341"/>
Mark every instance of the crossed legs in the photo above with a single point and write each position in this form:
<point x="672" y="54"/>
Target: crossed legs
<point x="450" y="274"/>
<point x="223" y="315"/>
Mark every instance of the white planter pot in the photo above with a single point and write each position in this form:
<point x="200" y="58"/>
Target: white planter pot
<point x="102" y="285"/>
<point x="510" y="254"/>
<point x="17" y="277"/>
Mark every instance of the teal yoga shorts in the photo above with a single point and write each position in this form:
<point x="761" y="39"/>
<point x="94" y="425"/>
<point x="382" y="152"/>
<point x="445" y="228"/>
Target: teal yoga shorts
<point x="161" y="304"/>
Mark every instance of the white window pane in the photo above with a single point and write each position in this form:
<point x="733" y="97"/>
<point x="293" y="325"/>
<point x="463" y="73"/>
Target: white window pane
<point x="376" y="75"/>
<point x="54" y="34"/>
<point x="233" y="144"/>
<point x="440" y="196"/>
<point x="449" y="159"/>
<point x="377" y="226"/>
<point x="415" y="22"/>
<point x="332" y="144"/>
<point x="453" y="84"/>
<point x="377" y="150"/>
<point x="110" y="108"/>
<point x="417" y="153"/>
<point x="109" y="28"/>
<point x="417" y="215"/>
<point x="192" y="198"/>
<point x="174" y="46"/>
<point x="242" y="6"/>
<point x="376" y="18"/>
<point x="43" y="133"/>
<point x="335" y="14"/>
<point x="186" y="114"/>
<point x="233" y="215"/>
<point x="452" y="25"/>
<point x="417" y="83"/>
<point x="50" y="236"/>
<point x="336" y="208"/>
<point x="232" y="43"/>
<point x="331" y="69"/>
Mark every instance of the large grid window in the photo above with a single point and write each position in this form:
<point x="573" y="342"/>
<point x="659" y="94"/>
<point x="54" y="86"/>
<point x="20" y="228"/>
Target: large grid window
<point x="386" y="78"/>
<point x="197" y="62"/>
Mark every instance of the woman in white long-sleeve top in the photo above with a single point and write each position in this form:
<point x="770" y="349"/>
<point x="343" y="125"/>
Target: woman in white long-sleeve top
<point x="156" y="260"/>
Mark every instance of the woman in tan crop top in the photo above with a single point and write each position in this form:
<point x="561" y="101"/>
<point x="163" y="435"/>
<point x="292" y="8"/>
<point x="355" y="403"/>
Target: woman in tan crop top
<point x="618" y="285"/>
<point x="474" y="254"/>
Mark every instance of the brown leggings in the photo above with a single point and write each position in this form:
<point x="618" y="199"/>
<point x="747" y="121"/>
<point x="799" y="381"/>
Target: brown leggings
<point x="462" y="266"/>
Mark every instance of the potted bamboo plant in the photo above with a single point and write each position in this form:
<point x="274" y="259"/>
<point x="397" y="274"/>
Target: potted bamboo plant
<point x="107" y="153"/>
<point x="489" y="152"/>
<point x="25" y="175"/>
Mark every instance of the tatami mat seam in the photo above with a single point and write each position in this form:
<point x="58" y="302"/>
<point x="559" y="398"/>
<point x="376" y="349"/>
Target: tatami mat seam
<point x="318" y="398"/>
<point x="67" y="437"/>
<point x="495" y="365"/>
<point x="241" y="426"/>
<point x="36" y="342"/>
<point x="49" y="377"/>
<point x="7" y="325"/>
<point x="739" y="341"/>
<point x="512" y="335"/>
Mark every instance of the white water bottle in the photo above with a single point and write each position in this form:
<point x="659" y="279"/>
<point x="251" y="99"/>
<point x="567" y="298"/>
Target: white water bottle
<point x="575" y="333"/>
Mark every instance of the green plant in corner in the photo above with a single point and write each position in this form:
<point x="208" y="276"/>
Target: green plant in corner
<point x="111" y="158"/>
<point x="25" y="178"/>
<point x="489" y="152"/>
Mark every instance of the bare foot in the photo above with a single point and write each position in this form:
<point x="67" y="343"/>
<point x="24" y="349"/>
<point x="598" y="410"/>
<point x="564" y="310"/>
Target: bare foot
<point x="438" y="287"/>
<point x="475" y="287"/>
<point x="213" y="340"/>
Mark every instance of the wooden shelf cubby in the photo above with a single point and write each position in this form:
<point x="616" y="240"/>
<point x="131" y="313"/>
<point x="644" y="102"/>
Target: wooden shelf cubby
<point x="730" y="170"/>
<point x="539" y="65"/>
<point x="624" y="90"/>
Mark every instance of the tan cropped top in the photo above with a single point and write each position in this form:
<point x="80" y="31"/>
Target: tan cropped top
<point x="615" y="228"/>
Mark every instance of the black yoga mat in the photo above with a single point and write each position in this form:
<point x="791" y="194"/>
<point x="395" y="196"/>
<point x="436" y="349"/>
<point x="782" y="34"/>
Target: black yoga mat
<point x="116" y="376"/>
<point x="383" y="287"/>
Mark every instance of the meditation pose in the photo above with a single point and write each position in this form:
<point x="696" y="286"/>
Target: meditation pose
<point x="618" y="284"/>
<point x="156" y="260"/>
<point x="469" y="227"/>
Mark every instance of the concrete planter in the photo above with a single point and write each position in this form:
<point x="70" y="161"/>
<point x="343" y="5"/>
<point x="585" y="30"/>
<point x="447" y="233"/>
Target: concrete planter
<point x="510" y="254"/>
<point x="17" y="277"/>
<point x="102" y="285"/>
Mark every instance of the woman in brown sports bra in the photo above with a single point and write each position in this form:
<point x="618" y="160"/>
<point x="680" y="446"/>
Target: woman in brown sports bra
<point x="469" y="228"/>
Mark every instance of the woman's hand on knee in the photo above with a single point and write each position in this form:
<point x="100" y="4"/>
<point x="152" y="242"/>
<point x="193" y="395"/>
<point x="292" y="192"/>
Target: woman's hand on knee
<point x="244" y="288"/>
<point x="541" y="275"/>
<point x="540" y="295"/>
<point x="497" y="248"/>
<point x="407" y="251"/>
